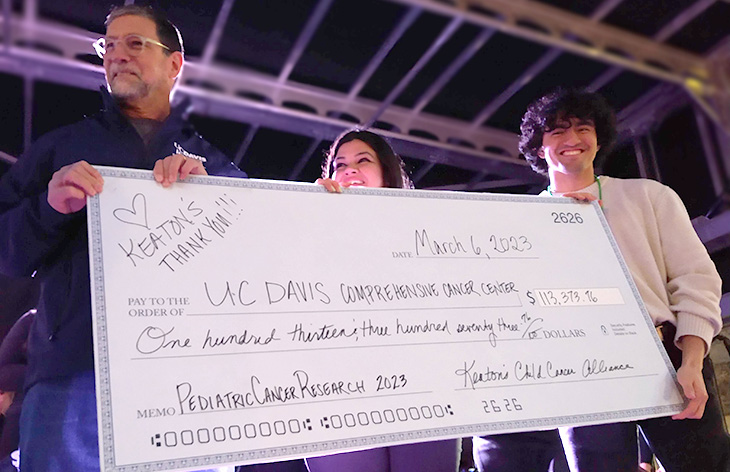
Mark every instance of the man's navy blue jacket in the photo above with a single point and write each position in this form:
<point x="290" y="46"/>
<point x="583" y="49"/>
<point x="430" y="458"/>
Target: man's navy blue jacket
<point x="34" y="237"/>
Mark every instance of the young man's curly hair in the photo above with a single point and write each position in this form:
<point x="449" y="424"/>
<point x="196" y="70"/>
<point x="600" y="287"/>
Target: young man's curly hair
<point x="542" y="115"/>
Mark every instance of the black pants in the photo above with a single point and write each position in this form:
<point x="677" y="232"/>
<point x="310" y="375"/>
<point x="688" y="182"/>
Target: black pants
<point x="690" y="445"/>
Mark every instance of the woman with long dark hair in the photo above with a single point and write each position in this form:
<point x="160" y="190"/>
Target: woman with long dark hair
<point x="362" y="158"/>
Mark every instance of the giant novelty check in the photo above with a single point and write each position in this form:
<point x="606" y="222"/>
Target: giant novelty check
<point x="242" y="321"/>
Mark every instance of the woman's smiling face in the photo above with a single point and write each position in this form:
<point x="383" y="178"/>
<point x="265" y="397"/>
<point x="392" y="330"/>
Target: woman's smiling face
<point x="357" y="164"/>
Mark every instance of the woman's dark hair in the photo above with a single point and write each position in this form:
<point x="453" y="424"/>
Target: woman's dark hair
<point x="561" y="104"/>
<point x="394" y="174"/>
<point x="167" y="32"/>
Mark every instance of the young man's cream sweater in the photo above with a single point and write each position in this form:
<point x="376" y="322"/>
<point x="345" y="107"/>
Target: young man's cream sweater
<point x="671" y="268"/>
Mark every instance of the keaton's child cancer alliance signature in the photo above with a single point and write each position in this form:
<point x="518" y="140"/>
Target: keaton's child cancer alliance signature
<point x="224" y="304"/>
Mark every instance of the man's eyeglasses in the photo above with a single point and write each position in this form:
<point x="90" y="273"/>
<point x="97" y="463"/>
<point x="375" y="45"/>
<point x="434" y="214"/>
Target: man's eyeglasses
<point x="134" y="44"/>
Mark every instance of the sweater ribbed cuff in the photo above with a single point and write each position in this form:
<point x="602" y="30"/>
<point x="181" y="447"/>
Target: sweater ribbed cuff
<point x="689" y="324"/>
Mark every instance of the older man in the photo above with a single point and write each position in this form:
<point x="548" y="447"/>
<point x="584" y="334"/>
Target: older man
<point x="42" y="200"/>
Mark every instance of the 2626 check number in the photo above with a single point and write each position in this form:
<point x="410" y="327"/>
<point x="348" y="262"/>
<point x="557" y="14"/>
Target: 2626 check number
<point x="498" y="405"/>
<point x="567" y="217"/>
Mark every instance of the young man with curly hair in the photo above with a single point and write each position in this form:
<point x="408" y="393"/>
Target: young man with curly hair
<point x="562" y="135"/>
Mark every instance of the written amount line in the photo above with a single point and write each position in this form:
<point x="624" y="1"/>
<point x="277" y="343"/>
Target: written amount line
<point x="368" y="346"/>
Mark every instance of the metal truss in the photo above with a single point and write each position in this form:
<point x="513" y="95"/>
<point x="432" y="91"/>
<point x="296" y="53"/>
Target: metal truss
<point x="224" y="88"/>
<point x="705" y="80"/>
<point x="543" y="24"/>
<point x="41" y="66"/>
<point x="220" y="91"/>
<point x="7" y="158"/>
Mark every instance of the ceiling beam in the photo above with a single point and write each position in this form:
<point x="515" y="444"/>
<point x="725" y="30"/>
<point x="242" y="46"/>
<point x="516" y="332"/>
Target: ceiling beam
<point x="304" y="159"/>
<point x="682" y="19"/>
<point x="27" y="112"/>
<point x="310" y="28"/>
<point x="606" y="7"/>
<point x="662" y="35"/>
<point x="231" y="81"/>
<point x="211" y="47"/>
<point x="383" y="52"/>
<point x="719" y="60"/>
<point x="7" y="11"/>
<point x="245" y="144"/>
<point x="30" y="11"/>
<point x="524" y="78"/>
<point x="465" y="56"/>
<point x="649" y="109"/>
<point x="641" y="160"/>
<point x="421" y="172"/>
<point x="717" y="174"/>
<point x="68" y="72"/>
<point x="559" y="28"/>
<point x="436" y="45"/>
<point x="5" y="157"/>
<point x="715" y="232"/>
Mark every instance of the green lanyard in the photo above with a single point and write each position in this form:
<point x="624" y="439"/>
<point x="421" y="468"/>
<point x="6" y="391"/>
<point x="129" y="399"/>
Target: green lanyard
<point x="597" y="180"/>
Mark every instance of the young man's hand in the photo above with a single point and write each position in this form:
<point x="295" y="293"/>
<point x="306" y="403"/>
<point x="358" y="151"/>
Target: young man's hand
<point x="689" y="376"/>
<point x="581" y="196"/>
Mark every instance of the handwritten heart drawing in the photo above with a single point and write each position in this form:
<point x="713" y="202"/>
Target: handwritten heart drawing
<point x="137" y="215"/>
